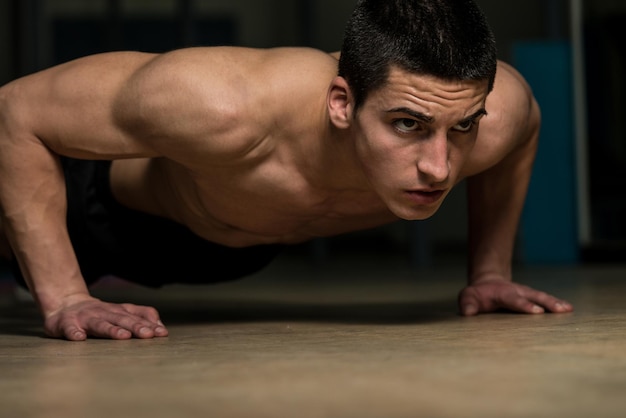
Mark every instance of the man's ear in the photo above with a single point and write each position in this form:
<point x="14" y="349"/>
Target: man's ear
<point x="340" y="103"/>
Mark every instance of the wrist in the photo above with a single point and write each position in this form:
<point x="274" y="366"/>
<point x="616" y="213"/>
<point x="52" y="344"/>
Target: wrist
<point x="51" y="297"/>
<point x="486" y="275"/>
<point x="51" y="305"/>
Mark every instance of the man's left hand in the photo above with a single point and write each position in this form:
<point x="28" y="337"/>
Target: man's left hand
<point x="497" y="294"/>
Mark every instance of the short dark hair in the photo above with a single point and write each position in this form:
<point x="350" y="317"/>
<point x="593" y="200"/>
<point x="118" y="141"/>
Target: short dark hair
<point x="448" y="39"/>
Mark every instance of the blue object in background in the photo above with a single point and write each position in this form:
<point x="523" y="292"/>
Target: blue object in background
<point x="549" y="231"/>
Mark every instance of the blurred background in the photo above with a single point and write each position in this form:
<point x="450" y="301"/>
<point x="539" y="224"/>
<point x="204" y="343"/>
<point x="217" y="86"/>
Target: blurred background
<point x="569" y="50"/>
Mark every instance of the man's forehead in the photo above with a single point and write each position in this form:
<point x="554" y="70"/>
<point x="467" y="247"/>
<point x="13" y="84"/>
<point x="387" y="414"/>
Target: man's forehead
<point x="399" y="78"/>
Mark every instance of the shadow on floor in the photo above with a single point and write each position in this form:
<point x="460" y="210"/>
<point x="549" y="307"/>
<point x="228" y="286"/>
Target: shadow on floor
<point x="23" y="319"/>
<point x="396" y="313"/>
<point x="20" y="319"/>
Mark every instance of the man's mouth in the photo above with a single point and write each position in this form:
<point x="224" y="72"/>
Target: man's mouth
<point x="425" y="197"/>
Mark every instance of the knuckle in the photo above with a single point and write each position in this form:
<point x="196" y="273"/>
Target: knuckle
<point x="140" y="329"/>
<point x="152" y="312"/>
<point x="540" y="294"/>
<point x="107" y="329"/>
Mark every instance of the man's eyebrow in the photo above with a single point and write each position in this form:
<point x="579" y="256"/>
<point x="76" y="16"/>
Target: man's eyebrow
<point x="429" y="119"/>
<point x="476" y="115"/>
<point x="417" y="115"/>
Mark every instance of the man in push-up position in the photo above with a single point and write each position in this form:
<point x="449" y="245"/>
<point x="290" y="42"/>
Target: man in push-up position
<point x="180" y="166"/>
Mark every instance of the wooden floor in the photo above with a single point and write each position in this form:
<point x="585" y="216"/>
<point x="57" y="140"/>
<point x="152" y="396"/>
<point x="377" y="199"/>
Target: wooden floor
<point x="356" y="338"/>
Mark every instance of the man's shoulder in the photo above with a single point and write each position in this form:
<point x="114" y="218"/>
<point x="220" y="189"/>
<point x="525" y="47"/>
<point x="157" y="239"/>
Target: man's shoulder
<point x="513" y="116"/>
<point x="231" y="73"/>
<point x="233" y="61"/>
<point x="224" y="99"/>
<point x="511" y="89"/>
<point x="511" y="106"/>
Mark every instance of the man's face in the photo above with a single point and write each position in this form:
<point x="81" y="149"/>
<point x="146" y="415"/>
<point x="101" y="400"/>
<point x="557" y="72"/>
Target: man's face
<point x="414" y="135"/>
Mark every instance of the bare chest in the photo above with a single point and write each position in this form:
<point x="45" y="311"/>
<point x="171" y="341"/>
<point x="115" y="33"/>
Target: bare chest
<point x="245" y="212"/>
<point x="245" y="206"/>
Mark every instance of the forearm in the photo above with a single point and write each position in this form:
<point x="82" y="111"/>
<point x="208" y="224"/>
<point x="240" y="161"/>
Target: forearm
<point x="33" y="207"/>
<point x="495" y="201"/>
<point x="75" y="110"/>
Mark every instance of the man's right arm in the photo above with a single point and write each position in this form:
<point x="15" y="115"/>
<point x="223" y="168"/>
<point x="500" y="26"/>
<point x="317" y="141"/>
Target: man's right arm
<point x="66" y="110"/>
<point x="197" y="107"/>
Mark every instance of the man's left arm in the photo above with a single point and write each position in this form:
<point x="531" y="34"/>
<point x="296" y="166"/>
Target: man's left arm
<point x="495" y="201"/>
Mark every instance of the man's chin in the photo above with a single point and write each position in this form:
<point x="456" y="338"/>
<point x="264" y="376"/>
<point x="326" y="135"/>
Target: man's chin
<point x="419" y="214"/>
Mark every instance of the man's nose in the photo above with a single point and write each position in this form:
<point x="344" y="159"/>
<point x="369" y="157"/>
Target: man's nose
<point x="433" y="162"/>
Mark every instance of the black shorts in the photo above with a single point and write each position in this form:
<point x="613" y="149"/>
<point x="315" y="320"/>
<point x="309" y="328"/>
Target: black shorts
<point x="110" y="239"/>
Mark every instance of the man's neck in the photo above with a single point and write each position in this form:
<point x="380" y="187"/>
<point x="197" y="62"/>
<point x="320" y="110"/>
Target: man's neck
<point x="335" y="165"/>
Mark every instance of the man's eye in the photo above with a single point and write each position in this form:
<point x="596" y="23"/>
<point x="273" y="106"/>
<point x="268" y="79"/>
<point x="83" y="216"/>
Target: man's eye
<point x="406" y="125"/>
<point x="465" y="126"/>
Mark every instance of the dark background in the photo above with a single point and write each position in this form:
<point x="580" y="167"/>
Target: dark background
<point x="35" y="34"/>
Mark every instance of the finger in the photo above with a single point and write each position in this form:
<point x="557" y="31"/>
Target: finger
<point x="75" y="334"/>
<point x="468" y="303"/>
<point x="469" y="310"/>
<point x="522" y="304"/>
<point x="562" y="306"/>
<point x="71" y="333"/>
<point x="150" y="314"/>
<point x="145" y="312"/>
<point x="68" y="329"/>
<point x="101" y="328"/>
<point x="549" y="302"/>
<point x="139" y="327"/>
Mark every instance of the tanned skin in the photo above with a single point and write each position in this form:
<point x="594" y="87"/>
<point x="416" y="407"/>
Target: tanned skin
<point x="247" y="147"/>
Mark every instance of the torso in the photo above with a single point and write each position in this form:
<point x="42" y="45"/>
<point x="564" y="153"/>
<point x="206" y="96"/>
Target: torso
<point x="267" y="195"/>
<point x="224" y="206"/>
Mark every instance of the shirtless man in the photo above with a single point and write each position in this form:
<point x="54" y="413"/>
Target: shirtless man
<point x="221" y="155"/>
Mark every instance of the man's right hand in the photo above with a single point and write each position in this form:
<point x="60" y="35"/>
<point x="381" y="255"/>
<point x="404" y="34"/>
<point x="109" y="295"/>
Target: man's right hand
<point x="83" y="316"/>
